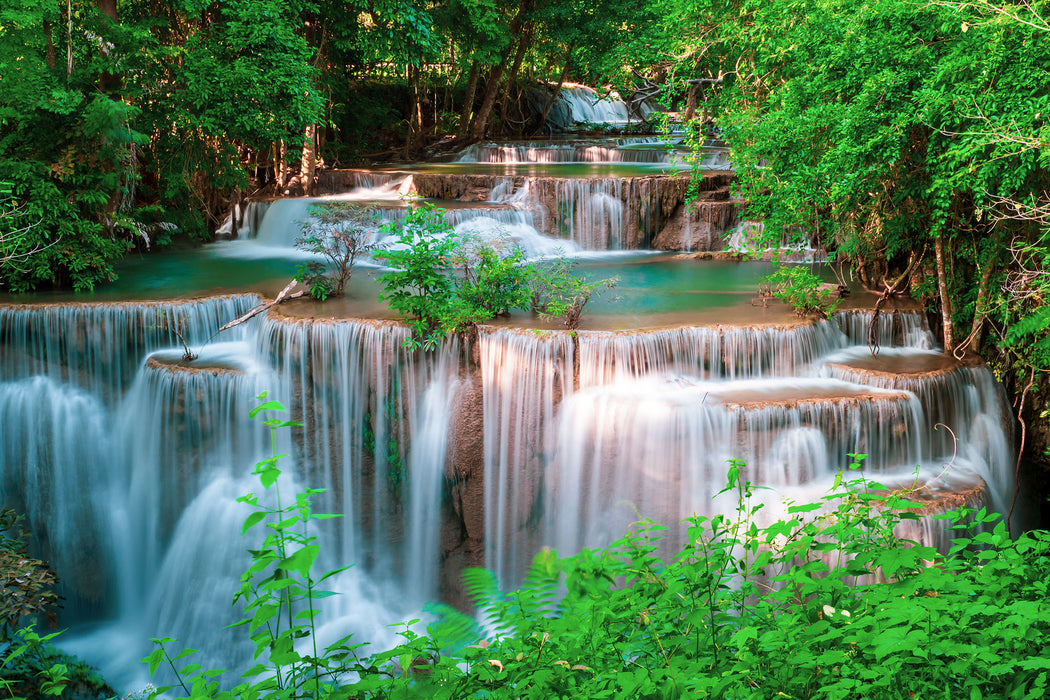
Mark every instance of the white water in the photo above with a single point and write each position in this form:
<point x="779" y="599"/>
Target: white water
<point x="658" y="415"/>
<point x="564" y="152"/>
<point x="587" y="107"/>
<point x="129" y="465"/>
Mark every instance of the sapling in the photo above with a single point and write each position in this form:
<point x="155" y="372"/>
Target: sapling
<point x="340" y="232"/>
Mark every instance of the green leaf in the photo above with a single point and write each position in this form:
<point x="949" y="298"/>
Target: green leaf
<point x="268" y="406"/>
<point x="252" y="520"/>
<point x="301" y="560"/>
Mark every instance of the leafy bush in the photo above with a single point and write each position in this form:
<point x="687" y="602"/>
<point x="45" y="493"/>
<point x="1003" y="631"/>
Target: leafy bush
<point x="25" y="582"/>
<point x="444" y="283"/>
<point x="803" y="290"/>
<point x="29" y="665"/>
<point x="558" y="292"/>
<point x="340" y="232"/>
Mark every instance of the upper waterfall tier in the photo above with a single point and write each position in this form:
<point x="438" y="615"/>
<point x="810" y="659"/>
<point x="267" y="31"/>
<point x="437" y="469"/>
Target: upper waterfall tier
<point x="99" y="346"/>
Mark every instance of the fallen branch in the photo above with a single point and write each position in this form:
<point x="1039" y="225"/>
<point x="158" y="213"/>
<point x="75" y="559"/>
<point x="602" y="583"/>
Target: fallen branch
<point x="281" y="297"/>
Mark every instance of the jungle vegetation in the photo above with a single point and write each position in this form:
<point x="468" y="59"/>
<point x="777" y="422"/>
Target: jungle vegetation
<point x="909" y="140"/>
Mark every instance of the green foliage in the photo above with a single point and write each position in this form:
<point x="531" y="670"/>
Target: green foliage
<point x="494" y="281"/>
<point x="1023" y="310"/>
<point x="876" y="129"/>
<point x="805" y="291"/>
<point x="558" y="292"/>
<point x="279" y="591"/>
<point x="25" y="582"/>
<point x="828" y="602"/>
<point x="315" y="276"/>
<point x="420" y="285"/>
<point x="445" y="284"/>
<point x="339" y="232"/>
<point x="30" y="667"/>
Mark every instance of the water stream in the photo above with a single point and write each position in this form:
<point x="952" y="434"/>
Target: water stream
<point x="128" y="460"/>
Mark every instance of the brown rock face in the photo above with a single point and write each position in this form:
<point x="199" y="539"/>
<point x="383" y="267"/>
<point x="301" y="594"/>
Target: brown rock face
<point x="463" y="525"/>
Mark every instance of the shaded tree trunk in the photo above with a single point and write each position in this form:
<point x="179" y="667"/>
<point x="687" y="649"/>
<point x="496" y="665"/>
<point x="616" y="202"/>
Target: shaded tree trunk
<point x="481" y="118"/>
<point x="283" y="172"/>
<point x="980" y="308"/>
<point x="946" y="301"/>
<point x="691" y="101"/>
<point x="492" y="83"/>
<point x="50" y="45"/>
<point x="468" y="104"/>
<point x="415" y="115"/>
<point x="308" y="164"/>
<point x="109" y="8"/>
<point x="519" y="56"/>
<point x="557" y="91"/>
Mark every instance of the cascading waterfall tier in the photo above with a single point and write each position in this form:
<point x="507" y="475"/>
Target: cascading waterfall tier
<point x="99" y="346"/>
<point x="659" y="448"/>
<point x="655" y="416"/>
<point x="718" y="352"/>
<point x="477" y="452"/>
<point x="965" y="408"/>
<point x="560" y="152"/>
<point x="604" y="213"/>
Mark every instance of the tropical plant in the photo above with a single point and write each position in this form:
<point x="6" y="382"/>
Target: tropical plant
<point x="30" y="666"/>
<point x="444" y="283"/>
<point x="805" y="291"/>
<point x="419" y="285"/>
<point x="340" y="232"/>
<point x="25" y="583"/>
<point x="558" y="292"/>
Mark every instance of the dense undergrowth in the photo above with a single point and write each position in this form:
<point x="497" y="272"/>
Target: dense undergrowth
<point x="830" y="603"/>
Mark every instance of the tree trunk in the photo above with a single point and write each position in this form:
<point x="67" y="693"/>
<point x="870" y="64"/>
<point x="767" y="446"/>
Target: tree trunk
<point x="946" y="301"/>
<point x="557" y="91"/>
<point x="691" y="101"/>
<point x="468" y="104"/>
<point x="283" y="171"/>
<point x="492" y="83"/>
<point x="308" y="164"/>
<point x="519" y="56"/>
<point x="69" y="39"/>
<point x="109" y="8"/>
<point x="981" y="308"/>
<point x="50" y="45"/>
<point x="481" y="118"/>
<point x="415" y="116"/>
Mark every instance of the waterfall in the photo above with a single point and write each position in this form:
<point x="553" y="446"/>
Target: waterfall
<point x="99" y="346"/>
<point x="56" y="448"/>
<point x="555" y="152"/>
<point x="717" y="352"/>
<point x="652" y="448"/>
<point x="587" y="108"/>
<point x="591" y="212"/>
<point x="523" y="376"/>
<point x="128" y="460"/>
<point x="892" y="328"/>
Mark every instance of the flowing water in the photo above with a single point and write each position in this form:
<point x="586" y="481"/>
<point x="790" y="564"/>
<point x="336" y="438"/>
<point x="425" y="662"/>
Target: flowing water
<point x="128" y="460"/>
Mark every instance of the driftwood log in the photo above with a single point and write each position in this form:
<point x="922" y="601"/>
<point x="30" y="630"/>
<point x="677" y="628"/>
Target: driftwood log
<point x="284" y="295"/>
